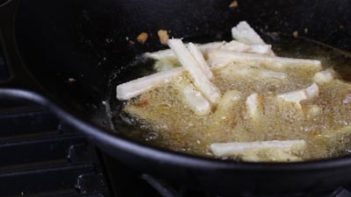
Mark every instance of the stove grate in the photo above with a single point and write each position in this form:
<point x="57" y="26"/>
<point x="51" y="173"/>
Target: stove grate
<point x="41" y="156"/>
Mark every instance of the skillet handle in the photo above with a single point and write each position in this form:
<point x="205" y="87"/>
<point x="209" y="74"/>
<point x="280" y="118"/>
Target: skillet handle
<point x="14" y="74"/>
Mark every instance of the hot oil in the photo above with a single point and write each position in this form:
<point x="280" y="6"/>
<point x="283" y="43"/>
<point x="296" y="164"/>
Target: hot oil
<point x="159" y="117"/>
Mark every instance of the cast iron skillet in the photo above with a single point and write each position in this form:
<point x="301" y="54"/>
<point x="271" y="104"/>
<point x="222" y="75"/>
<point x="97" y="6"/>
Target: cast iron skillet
<point x="48" y="42"/>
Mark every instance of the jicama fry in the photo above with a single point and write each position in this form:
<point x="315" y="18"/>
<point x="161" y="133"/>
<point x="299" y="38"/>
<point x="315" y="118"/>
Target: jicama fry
<point x="136" y="87"/>
<point x="200" y="59"/>
<point x="236" y="46"/>
<point x="290" y="102"/>
<point x="294" y="96"/>
<point x="201" y="81"/>
<point x="250" y="71"/>
<point x="254" y="106"/>
<point x="263" y="73"/>
<point x="347" y="99"/>
<point x="312" y="91"/>
<point x="299" y="95"/>
<point x="209" y="46"/>
<point x="220" y="58"/>
<point x="324" y="76"/>
<point x="168" y="53"/>
<point x="263" y="49"/>
<point x="243" y="32"/>
<point x="289" y="150"/>
<point x="225" y="107"/>
<point x="161" y="54"/>
<point x="193" y="98"/>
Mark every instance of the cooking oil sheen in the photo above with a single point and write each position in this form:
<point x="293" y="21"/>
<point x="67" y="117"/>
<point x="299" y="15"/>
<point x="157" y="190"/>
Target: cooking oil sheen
<point x="164" y="120"/>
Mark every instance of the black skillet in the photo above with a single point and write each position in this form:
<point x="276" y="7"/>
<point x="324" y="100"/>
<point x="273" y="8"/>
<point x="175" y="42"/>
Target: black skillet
<point x="61" y="54"/>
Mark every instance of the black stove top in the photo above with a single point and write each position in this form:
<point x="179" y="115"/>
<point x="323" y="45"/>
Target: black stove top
<point x="41" y="156"/>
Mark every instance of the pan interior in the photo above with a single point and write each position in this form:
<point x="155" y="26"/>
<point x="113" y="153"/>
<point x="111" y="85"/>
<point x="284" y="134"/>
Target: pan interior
<point x="283" y="45"/>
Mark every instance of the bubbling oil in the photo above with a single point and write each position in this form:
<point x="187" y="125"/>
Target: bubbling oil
<point x="160" y="117"/>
